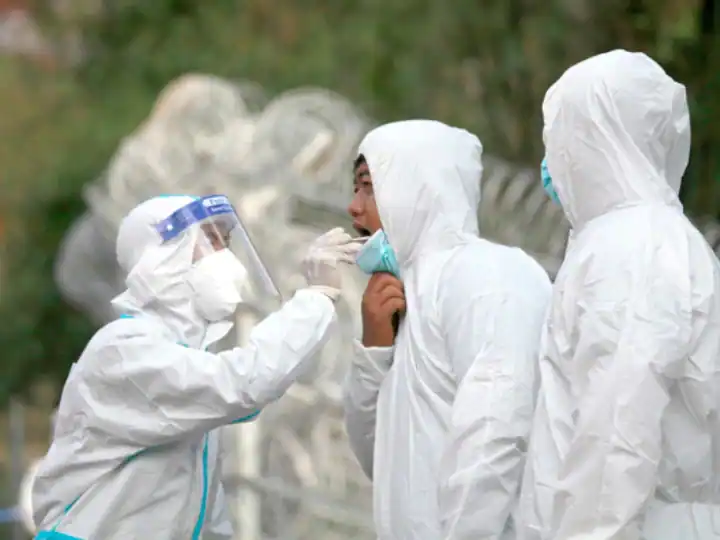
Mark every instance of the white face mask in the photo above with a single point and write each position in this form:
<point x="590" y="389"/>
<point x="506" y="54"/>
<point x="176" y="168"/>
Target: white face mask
<point x="217" y="280"/>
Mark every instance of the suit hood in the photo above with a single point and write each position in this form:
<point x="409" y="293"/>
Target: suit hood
<point x="617" y="134"/>
<point x="426" y="178"/>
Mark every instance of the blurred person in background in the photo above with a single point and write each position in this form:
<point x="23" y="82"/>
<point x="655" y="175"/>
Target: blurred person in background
<point x="135" y="449"/>
<point x="625" y="438"/>
<point x="438" y="410"/>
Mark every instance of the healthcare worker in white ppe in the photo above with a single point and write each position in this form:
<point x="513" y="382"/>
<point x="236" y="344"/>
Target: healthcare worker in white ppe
<point x="135" y="447"/>
<point x="439" y="415"/>
<point x="626" y="438"/>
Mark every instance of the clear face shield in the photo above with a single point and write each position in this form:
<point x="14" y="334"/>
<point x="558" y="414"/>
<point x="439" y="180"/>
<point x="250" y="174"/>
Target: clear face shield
<point x="218" y="228"/>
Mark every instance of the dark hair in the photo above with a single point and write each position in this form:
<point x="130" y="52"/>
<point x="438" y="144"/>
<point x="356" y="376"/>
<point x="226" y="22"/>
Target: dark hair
<point x="360" y="160"/>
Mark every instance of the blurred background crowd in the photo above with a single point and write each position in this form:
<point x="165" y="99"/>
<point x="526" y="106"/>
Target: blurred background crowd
<point x="106" y="102"/>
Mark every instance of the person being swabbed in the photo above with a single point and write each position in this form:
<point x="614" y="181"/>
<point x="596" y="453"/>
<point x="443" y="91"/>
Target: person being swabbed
<point x="440" y="390"/>
<point x="135" y="451"/>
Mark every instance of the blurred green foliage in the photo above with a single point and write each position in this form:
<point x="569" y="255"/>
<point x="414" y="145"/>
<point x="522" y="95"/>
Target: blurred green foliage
<point x="481" y="65"/>
<point x="40" y="334"/>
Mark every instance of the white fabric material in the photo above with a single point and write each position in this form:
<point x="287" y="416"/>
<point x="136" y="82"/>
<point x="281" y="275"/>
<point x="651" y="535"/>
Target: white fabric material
<point x="321" y="264"/>
<point x="25" y="498"/>
<point x="626" y="437"/>
<point x="217" y="281"/>
<point x="441" y="421"/>
<point x="136" y="444"/>
<point x="136" y="233"/>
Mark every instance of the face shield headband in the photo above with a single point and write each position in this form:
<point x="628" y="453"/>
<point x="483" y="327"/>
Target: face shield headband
<point x="218" y="226"/>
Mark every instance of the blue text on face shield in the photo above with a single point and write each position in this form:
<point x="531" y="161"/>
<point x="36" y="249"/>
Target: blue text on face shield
<point x="378" y="256"/>
<point x="547" y="182"/>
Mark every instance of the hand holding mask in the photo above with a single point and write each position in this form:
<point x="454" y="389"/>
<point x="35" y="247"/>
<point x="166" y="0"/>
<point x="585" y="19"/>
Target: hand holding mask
<point x="384" y="298"/>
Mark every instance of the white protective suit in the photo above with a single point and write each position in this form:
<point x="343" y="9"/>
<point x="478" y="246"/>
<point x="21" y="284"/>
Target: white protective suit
<point x="626" y="437"/>
<point x="136" y="450"/>
<point x="441" y="421"/>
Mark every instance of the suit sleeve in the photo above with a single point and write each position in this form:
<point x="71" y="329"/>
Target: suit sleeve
<point x="146" y="392"/>
<point x="362" y="387"/>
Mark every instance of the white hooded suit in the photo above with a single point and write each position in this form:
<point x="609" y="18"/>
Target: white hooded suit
<point x="135" y="452"/>
<point x="440" y="421"/>
<point x="626" y="438"/>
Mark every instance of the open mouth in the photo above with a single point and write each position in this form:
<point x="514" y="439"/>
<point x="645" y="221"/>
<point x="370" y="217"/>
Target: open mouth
<point x="362" y="231"/>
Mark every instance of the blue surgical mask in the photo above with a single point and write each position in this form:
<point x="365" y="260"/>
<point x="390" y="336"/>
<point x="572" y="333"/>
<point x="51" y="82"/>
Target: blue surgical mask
<point x="378" y="256"/>
<point x="547" y="182"/>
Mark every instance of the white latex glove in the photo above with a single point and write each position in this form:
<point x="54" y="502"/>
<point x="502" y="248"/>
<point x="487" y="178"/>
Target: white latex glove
<point x="326" y="253"/>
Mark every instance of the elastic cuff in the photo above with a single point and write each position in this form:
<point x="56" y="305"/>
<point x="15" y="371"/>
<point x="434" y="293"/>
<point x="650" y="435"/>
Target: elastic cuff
<point x="332" y="293"/>
<point x="317" y="295"/>
<point x="380" y="357"/>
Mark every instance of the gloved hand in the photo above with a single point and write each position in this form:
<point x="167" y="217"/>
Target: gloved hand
<point x="323" y="258"/>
